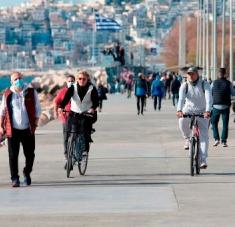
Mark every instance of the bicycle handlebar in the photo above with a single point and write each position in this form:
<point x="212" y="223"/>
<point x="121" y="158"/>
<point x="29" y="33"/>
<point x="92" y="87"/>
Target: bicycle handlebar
<point x="86" y="114"/>
<point x="193" y="115"/>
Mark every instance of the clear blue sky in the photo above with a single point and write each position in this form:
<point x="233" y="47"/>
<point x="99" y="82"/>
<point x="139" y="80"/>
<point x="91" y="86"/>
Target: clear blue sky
<point x="10" y="2"/>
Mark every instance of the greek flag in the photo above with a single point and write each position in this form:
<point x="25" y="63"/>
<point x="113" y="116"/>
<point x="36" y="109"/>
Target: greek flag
<point x="106" y="24"/>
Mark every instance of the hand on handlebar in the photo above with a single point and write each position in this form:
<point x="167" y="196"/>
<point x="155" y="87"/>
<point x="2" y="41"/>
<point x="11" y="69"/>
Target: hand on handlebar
<point x="207" y="115"/>
<point x="179" y="114"/>
<point x="2" y="131"/>
<point x="91" y="111"/>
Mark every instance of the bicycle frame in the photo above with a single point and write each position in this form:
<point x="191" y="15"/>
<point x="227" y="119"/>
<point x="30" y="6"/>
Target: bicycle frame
<point x="195" y="143"/>
<point x="79" y="141"/>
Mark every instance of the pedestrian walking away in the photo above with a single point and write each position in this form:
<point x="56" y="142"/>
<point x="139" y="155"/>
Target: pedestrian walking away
<point x="102" y="91"/>
<point x="64" y="115"/>
<point x="140" y="92"/>
<point x="222" y="89"/>
<point x="174" y="88"/>
<point x="157" y="92"/>
<point x="195" y="97"/>
<point x="19" y="115"/>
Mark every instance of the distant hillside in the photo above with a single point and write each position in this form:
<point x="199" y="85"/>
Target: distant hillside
<point x="119" y="2"/>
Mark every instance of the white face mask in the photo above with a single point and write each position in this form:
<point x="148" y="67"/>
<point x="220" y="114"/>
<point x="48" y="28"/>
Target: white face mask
<point x="69" y="84"/>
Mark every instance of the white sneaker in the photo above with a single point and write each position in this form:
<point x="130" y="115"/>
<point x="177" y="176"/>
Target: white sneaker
<point x="203" y="165"/>
<point x="186" y="145"/>
<point x="217" y="142"/>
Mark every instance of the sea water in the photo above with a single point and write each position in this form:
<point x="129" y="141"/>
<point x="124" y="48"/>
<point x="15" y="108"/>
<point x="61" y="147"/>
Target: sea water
<point x="5" y="81"/>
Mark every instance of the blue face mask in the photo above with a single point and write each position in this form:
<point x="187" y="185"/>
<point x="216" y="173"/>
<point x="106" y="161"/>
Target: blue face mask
<point x="19" y="83"/>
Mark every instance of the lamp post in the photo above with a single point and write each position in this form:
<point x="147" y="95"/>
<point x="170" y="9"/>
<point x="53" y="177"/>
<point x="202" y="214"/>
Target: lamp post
<point x="207" y="41"/>
<point x="223" y="35"/>
<point x="182" y="41"/>
<point x="215" y="39"/>
<point x="231" y="40"/>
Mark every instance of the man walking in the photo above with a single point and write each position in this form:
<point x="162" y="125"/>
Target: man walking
<point x="175" y="87"/>
<point x="222" y="89"/>
<point x="19" y="115"/>
<point x="157" y="92"/>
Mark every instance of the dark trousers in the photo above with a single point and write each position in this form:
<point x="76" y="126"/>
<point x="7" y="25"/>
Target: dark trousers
<point x="28" y="142"/>
<point x="100" y="104"/>
<point x="175" y="97"/>
<point x="66" y="136"/>
<point x="157" y="100"/>
<point x="128" y="89"/>
<point x="215" y="120"/>
<point x="140" y="107"/>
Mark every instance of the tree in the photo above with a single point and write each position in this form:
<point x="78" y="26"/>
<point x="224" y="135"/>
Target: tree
<point x="171" y="44"/>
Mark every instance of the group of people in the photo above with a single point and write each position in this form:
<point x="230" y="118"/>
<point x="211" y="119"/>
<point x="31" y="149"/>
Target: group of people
<point x="192" y="95"/>
<point x="158" y="87"/>
<point x="20" y="110"/>
<point x="197" y="96"/>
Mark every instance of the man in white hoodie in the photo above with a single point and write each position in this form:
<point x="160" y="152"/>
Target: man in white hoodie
<point x="195" y="97"/>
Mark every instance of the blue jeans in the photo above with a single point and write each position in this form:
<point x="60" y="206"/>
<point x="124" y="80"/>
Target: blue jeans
<point x="175" y="98"/>
<point x="215" y="120"/>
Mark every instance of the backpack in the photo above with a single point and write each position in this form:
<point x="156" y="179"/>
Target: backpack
<point x="186" y="87"/>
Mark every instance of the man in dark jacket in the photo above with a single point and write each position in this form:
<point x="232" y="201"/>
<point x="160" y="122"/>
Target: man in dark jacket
<point x="222" y="89"/>
<point x="175" y="86"/>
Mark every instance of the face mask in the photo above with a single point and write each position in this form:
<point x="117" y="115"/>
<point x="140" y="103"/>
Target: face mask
<point x="69" y="84"/>
<point x="19" y="83"/>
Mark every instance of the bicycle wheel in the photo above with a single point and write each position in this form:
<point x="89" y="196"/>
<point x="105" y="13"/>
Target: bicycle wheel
<point x="192" y="154"/>
<point x="82" y="164"/>
<point x="70" y="151"/>
<point x="197" y="157"/>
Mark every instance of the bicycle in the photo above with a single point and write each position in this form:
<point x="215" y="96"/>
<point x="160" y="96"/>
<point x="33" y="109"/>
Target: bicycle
<point x="79" y="144"/>
<point x="194" y="143"/>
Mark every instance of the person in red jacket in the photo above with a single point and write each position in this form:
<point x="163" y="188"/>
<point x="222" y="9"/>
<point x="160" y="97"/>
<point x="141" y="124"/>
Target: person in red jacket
<point x="19" y="114"/>
<point x="64" y="116"/>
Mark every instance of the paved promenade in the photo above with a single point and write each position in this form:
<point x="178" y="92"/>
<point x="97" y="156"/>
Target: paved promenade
<point x="138" y="176"/>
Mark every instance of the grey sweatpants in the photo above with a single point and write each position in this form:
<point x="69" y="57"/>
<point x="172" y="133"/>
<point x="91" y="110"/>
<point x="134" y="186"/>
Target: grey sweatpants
<point x="184" y="125"/>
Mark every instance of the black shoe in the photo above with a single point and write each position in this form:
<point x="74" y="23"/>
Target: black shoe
<point x="65" y="166"/>
<point x="90" y="139"/>
<point x="15" y="183"/>
<point x="27" y="180"/>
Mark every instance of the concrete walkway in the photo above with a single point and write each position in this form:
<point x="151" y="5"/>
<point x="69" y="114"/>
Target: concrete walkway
<point x="138" y="176"/>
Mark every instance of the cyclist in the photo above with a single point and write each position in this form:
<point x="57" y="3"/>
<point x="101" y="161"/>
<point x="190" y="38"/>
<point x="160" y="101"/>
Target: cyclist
<point x="195" y="97"/>
<point x="84" y="98"/>
<point x="70" y="79"/>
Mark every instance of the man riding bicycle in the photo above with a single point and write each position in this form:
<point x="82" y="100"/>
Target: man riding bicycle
<point x="195" y="97"/>
<point x="84" y="98"/>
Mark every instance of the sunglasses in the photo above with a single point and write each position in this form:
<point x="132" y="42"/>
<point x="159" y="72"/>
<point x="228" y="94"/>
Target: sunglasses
<point x="82" y="78"/>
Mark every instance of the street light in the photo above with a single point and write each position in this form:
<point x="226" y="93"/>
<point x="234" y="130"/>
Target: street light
<point x="231" y="40"/>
